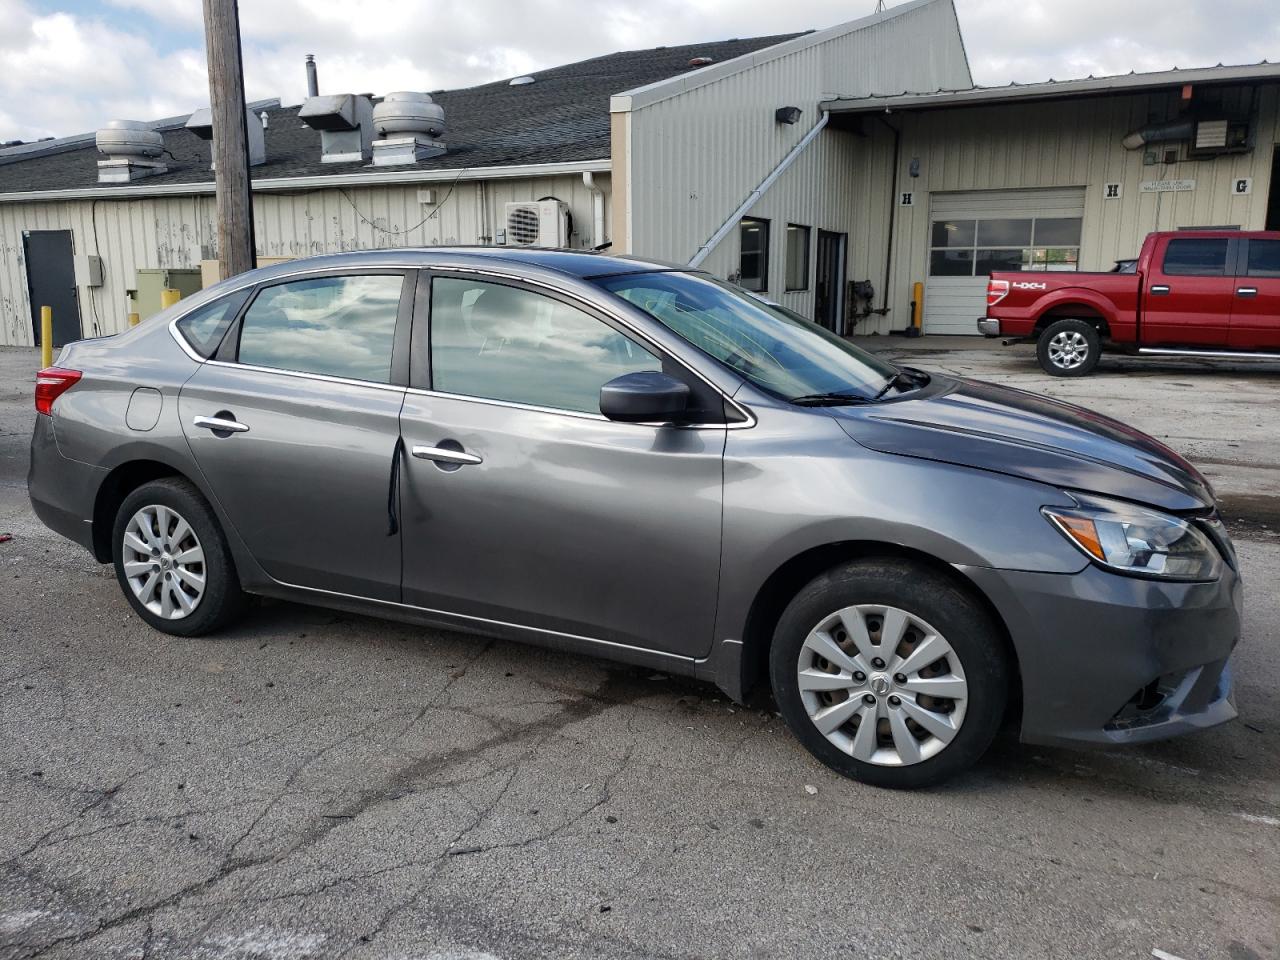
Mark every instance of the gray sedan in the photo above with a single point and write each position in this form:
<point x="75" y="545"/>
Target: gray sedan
<point x="617" y="458"/>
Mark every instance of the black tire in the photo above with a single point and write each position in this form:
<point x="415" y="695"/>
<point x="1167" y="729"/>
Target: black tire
<point x="949" y="610"/>
<point x="1083" y="346"/>
<point x="221" y="600"/>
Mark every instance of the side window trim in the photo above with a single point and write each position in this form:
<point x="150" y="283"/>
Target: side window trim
<point x="228" y="351"/>
<point x="420" y="380"/>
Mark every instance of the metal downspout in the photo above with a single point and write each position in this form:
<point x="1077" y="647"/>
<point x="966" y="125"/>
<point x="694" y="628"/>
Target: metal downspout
<point x="597" y="210"/>
<point x="705" y="250"/>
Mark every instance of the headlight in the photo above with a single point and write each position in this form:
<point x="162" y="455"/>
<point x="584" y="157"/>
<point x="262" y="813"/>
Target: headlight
<point x="1139" y="542"/>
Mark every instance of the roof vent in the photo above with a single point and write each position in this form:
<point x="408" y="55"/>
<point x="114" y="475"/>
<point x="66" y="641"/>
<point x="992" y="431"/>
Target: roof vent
<point x="345" y="122"/>
<point x="131" y="148"/>
<point x="411" y="128"/>
<point x="701" y="61"/>
<point x="520" y="81"/>
<point x="201" y="124"/>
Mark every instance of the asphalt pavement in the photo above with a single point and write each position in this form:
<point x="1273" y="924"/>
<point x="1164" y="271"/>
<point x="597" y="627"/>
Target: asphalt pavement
<point x="314" y="784"/>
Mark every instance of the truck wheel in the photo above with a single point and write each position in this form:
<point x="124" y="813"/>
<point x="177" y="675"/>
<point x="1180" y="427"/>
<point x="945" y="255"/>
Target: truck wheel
<point x="1069" y="348"/>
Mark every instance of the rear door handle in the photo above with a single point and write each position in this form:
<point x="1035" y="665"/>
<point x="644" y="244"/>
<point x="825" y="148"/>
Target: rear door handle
<point x="1159" y="290"/>
<point x="1247" y="292"/>
<point x="446" y="455"/>
<point x="221" y="424"/>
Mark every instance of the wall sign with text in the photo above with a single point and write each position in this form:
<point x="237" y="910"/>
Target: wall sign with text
<point x="1167" y="186"/>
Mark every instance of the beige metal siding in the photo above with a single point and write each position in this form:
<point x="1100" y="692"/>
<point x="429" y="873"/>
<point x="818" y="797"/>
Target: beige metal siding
<point x="697" y="154"/>
<point x="181" y="231"/>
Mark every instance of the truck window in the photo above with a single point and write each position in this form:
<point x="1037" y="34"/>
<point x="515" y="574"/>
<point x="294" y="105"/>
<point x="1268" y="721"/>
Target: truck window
<point x="1264" y="258"/>
<point x="1196" y="257"/>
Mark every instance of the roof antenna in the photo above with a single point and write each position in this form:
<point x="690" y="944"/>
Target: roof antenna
<point x="879" y="6"/>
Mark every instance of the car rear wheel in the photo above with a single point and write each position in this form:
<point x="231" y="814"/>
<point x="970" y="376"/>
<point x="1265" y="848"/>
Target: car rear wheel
<point x="1069" y="348"/>
<point x="890" y="673"/>
<point x="172" y="560"/>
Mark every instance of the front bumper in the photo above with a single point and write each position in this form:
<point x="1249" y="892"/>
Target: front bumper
<point x="62" y="491"/>
<point x="1107" y="659"/>
<point x="988" y="327"/>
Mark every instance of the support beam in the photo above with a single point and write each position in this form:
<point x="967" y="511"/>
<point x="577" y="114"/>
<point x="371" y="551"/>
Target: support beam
<point x="230" y="138"/>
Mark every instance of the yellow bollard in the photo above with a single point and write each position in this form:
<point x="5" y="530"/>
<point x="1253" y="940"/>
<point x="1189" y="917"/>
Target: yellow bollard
<point x="46" y="337"/>
<point x="134" y="319"/>
<point x="169" y="296"/>
<point x="917" y="306"/>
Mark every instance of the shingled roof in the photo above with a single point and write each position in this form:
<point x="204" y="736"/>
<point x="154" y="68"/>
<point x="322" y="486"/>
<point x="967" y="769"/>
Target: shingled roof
<point x="561" y="117"/>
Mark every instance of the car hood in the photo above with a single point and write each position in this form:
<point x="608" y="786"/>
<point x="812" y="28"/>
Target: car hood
<point x="982" y="425"/>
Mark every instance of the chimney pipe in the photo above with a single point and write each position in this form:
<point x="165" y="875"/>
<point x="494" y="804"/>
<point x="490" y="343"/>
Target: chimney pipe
<point x="313" y="82"/>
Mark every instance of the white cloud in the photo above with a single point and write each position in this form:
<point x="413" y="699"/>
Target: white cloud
<point x="62" y="73"/>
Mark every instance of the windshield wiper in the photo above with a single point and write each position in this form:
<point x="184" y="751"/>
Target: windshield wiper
<point x="906" y="377"/>
<point x="827" y="399"/>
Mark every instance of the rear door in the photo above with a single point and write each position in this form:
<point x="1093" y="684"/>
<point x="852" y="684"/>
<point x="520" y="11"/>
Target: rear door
<point x="1255" y="315"/>
<point x="523" y="504"/>
<point x="51" y="282"/>
<point x="295" y="426"/>
<point x="1188" y="292"/>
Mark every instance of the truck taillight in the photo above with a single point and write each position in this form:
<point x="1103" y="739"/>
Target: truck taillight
<point x="997" y="290"/>
<point x="51" y="383"/>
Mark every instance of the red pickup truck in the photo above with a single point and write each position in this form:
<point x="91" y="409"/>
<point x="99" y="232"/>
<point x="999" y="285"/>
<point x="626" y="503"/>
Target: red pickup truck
<point x="1201" y="293"/>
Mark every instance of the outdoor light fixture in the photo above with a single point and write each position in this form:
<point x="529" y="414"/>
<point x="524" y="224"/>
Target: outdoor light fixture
<point x="787" y="114"/>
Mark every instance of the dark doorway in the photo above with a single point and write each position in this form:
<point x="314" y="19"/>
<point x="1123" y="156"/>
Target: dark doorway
<point x="51" y="282"/>
<point x="1273" y="195"/>
<point x="828" y="305"/>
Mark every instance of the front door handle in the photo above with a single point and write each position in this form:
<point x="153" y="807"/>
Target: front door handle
<point x="221" y="424"/>
<point x="1247" y="292"/>
<point x="446" y="455"/>
<point x="1159" y="290"/>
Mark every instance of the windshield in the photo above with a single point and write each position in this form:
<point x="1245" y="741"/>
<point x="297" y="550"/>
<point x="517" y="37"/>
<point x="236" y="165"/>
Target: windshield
<point x="774" y="348"/>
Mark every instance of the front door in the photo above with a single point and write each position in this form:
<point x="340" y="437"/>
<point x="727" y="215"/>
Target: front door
<point x="523" y="505"/>
<point x="295" y="427"/>
<point x="1188" y="292"/>
<point x="1255" y="316"/>
<point x="51" y="282"/>
<point x="829" y="281"/>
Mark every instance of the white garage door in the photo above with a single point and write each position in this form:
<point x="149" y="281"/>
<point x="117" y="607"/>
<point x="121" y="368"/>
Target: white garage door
<point x="974" y="233"/>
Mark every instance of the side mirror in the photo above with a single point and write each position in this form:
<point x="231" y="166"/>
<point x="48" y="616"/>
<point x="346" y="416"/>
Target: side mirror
<point x="644" y="397"/>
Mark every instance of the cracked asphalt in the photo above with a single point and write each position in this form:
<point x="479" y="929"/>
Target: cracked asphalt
<point x="312" y="784"/>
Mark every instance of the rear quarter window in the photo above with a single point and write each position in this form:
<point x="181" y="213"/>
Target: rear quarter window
<point x="205" y="326"/>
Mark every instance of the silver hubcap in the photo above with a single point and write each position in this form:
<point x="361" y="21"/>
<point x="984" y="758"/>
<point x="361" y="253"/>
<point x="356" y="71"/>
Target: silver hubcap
<point x="882" y="685"/>
<point x="1067" y="350"/>
<point x="164" y="562"/>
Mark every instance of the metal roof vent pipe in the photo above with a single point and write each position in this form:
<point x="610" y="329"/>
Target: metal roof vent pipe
<point x="131" y="148"/>
<point x="410" y="128"/>
<point x="201" y="124"/>
<point x="345" y="122"/>
<point x="313" y="80"/>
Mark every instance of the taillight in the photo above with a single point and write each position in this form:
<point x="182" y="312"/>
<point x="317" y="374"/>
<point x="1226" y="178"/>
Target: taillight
<point x="997" y="290"/>
<point x="51" y="383"/>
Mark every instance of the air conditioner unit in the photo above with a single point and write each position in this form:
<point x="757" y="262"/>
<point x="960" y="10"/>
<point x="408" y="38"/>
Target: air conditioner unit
<point x="540" y="223"/>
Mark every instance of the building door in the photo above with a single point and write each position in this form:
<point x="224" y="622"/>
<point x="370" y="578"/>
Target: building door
<point x="973" y="233"/>
<point x="51" y="282"/>
<point x="828" y="303"/>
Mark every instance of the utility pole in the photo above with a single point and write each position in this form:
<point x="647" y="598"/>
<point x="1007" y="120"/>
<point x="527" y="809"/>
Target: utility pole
<point x="230" y="138"/>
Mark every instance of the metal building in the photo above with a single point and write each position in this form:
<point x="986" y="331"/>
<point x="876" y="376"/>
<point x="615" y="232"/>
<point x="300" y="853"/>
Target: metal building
<point x="829" y="170"/>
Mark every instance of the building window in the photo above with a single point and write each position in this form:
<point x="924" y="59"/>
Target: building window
<point x="976" y="248"/>
<point x="797" y="257"/>
<point x="753" y="254"/>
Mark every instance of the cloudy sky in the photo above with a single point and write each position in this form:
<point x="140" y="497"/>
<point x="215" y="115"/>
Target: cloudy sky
<point x="67" y="65"/>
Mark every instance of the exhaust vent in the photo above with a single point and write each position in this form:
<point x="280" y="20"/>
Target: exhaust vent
<point x="410" y="127"/>
<point x="131" y="148"/>
<point x="201" y="124"/>
<point x="542" y="223"/>
<point x="345" y="122"/>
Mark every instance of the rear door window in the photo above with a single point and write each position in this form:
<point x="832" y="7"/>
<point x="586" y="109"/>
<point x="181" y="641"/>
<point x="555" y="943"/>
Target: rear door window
<point x="334" y="326"/>
<point x="1206" y="257"/>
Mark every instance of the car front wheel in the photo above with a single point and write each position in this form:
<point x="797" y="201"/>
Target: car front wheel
<point x="172" y="560"/>
<point x="890" y="673"/>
